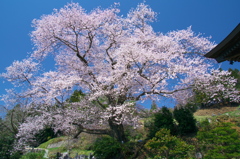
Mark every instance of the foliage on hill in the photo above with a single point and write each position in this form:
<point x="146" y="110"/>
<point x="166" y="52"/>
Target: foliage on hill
<point x="219" y="140"/>
<point x="180" y="121"/>
<point x="186" y="121"/>
<point x="107" y="147"/>
<point x="8" y="130"/>
<point x="165" y="145"/>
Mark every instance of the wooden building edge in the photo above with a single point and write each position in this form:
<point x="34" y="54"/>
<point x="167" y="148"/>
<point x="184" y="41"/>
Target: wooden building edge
<point x="228" y="49"/>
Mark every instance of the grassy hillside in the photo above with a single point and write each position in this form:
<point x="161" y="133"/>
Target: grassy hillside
<point x="202" y="114"/>
<point x="224" y="114"/>
<point x="215" y="111"/>
<point x="64" y="144"/>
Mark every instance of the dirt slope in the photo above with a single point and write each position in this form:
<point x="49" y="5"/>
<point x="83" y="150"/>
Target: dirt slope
<point x="214" y="111"/>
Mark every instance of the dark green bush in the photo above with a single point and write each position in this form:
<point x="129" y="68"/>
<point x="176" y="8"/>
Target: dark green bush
<point x="161" y="119"/>
<point x="133" y="134"/>
<point x="107" y="147"/>
<point x="186" y="121"/>
<point x="165" y="145"/>
<point x="7" y="140"/>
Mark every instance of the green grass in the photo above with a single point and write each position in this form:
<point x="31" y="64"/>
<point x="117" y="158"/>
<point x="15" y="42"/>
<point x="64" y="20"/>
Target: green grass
<point x="33" y="155"/>
<point x="202" y="118"/>
<point x="73" y="152"/>
<point x="78" y="147"/>
<point x="235" y="113"/>
<point x="53" y="151"/>
<point x="58" y="149"/>
<point x="52" y="141"/>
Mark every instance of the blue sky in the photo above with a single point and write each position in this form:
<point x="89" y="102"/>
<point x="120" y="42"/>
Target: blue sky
<point x="216" y="18"/>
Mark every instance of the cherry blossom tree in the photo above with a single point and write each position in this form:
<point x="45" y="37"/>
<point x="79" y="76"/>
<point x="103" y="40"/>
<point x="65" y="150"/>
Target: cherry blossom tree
<point x="215" y="87"/>
<point x="114" y="60"/>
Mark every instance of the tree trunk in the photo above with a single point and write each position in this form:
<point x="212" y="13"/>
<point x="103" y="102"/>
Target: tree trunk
<point x="117" y="131"/>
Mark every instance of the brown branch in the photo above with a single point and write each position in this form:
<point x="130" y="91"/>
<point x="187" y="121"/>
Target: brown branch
<point x="111" y="59"/>
<point x="71" y="46"/>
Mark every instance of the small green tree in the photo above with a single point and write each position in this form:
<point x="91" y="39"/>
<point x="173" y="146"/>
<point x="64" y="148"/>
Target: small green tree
<point x="107" y="147"/>
<point x="161" y="119"/>
<point x="220" y="141"/>
<point x="76" y="96"/>
<point x="185" y="119"/>
<point x="6" y="145"/>
<point x="8" y="130"/>
<point x="153" y="106"/>
<point x="165" y="145"/>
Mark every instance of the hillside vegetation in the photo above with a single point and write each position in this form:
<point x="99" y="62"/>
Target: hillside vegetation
<point x="84" y="144"/>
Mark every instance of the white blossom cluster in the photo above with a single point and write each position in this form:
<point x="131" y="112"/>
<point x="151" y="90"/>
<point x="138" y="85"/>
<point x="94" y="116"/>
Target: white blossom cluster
<point x="217" y="86"/>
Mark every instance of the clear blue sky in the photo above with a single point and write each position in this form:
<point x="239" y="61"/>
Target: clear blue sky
<point x="214" y="18"/>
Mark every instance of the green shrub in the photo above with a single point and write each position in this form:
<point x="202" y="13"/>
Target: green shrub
<point x="7" y="146"/>
<point x="186" y="120"/>
<point x="135" y="134"/>
<point x="165" y="145"/>
<point x="219" y="141"/>
<point x="205" y="125"/>
<point x="161" y="119"/>
<point x="107" y="147"/>
<point x="33" y="155"/>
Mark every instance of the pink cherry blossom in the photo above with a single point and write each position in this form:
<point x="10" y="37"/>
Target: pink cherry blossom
<point x="114" y="60"/>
